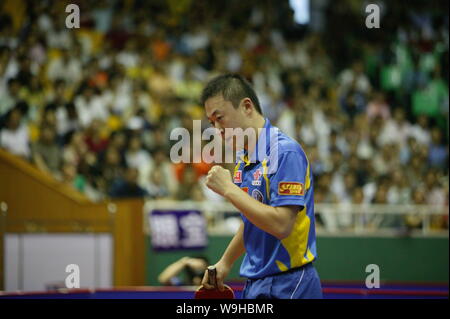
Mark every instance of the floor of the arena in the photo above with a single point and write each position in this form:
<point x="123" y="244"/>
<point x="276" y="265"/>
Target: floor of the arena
<point x="331" y="290"/>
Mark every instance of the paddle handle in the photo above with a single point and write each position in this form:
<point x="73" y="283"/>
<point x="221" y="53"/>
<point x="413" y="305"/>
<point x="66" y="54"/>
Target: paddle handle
<point x="212" y="273"/>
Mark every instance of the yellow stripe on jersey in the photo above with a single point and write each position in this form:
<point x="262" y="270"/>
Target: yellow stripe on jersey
<point x="236" y="168"/>
<point x="307" y="179"/>
<point x="309" y="257"/>
<point x="281" y="266"/>
<point x="296" y="243"/>
<point x="246" y="160"/>
<point x="264" y="165"/>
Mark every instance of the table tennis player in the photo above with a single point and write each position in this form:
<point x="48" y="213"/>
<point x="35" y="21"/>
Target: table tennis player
<point x="277" y="206"/>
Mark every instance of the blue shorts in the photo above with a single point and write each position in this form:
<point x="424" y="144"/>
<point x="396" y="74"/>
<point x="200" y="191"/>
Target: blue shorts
<point x="299" y="283"/>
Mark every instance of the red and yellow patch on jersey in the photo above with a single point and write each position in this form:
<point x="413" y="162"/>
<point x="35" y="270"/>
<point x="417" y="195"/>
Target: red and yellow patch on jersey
<point x="291" y="188"/>
<point x="237" y="178"/>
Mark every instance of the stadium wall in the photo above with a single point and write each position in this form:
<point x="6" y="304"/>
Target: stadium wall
<point x="409" y="259"/>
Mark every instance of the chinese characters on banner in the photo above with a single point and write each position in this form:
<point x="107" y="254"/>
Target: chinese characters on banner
<point x="177" y="229"/>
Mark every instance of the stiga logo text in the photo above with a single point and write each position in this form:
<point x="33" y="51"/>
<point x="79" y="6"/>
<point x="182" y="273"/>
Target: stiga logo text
<point x="291" y="188"/>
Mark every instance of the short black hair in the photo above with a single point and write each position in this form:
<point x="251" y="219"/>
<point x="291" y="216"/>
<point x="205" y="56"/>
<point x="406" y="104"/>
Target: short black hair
<point x="233" y="88"/>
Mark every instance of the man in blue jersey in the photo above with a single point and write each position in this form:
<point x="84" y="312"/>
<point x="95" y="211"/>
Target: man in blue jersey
<point x="273" y="192"/>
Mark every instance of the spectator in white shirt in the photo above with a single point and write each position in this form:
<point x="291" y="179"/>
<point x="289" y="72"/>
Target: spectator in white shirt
<point x="421" y="131"/>
<point x="357" y="76"/>
<point x="136" y="156"/>
<point x="90" y="106"/>
<point x="14" y="137"/>
<point x="162" y="163"/>
<point x="66" y="67"/>
<point x="395" y="130"/>
<point x="10" y="96"/>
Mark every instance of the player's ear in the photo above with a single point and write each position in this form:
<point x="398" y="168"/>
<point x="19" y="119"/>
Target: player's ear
<point x="247" y="106"/>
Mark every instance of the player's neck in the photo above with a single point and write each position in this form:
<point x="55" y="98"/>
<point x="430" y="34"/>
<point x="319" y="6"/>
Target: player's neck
<point x="256" y="124"/>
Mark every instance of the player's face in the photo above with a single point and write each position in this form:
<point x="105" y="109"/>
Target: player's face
<point x="221" y="114"/>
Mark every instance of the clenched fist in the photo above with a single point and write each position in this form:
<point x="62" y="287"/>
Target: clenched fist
<point x="219" y="180"/>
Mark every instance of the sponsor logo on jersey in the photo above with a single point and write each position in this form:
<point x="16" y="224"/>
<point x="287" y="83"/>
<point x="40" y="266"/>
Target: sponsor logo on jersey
<point x="291" y="188"/>
<point x="256" y="194"/>
<point x="256" y="178"/>
<point x="237" y="177"/>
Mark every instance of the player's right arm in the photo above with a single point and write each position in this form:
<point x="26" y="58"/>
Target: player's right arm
<point x="234" y="250"/>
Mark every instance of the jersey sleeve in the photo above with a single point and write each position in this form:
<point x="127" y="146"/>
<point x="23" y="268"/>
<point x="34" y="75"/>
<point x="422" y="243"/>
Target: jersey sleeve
<point x="288" y="183"/>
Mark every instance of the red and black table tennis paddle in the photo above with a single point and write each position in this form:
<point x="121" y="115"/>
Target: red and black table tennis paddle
<point x="203" y="293"/>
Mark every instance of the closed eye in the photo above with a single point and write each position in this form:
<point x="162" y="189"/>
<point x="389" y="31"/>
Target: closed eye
<point x="218" y="118"/>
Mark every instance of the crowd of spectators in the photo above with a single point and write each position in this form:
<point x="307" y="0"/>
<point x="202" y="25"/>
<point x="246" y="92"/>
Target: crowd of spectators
<point x="94" y="106"/>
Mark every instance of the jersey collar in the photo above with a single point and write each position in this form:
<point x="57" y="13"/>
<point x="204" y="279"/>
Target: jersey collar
<point x="264" y="136"/>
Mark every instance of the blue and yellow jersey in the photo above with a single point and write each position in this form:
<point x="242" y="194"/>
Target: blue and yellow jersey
<point x="289" y="184"/>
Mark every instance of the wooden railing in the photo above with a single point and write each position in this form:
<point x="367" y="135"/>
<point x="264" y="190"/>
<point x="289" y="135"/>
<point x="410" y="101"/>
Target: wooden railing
<point x="37" y="203"/>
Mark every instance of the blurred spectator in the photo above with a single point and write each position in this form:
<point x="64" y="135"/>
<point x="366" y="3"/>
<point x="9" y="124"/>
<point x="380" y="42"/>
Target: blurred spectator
<point x="7" y="35"/>
<point x="431" y="97"/>
<point x="438" y="151"/>
<point x="111" y="168"/>
<point x="90" y="107"/>
<point x="185" y="271"/>
<point x="136" y="156"/>
<point x="14" y="136"/>
<point x="95" y="138"/>
<point x="127" y="187"/>
<point x="358" y="196"/>
<point x="378" y="107"/>
<point x="355" y="79"/>
<point x="383" y="221"/>
<point x="387" y="159"/>
<point x="65" y="67"/>
<point x="67" y="121"/>
<point x="157" y="187"/>
<point x="46" y="153"/>
<point x="414" y="219"/>
<point x="395" y="130"/>
<point x="408" y="149"/>
<point x="163" y="164"/>
<point x="71" y="177"/>
<point x="421" y="131"/>
<point x="9" y="98"/>
<point x="188" y="184"/>
<point x="118" y="140"/>
<point x="353" y="101"/>
<point x="75" y="150"/>
<point x="434" y="183"/>
<point x="399" y="191"/>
